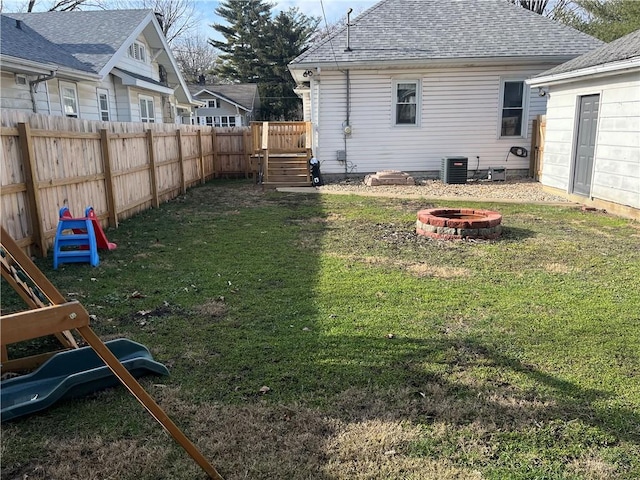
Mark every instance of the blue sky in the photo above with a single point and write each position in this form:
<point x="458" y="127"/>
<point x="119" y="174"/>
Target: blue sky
<point x="334" y="9"/>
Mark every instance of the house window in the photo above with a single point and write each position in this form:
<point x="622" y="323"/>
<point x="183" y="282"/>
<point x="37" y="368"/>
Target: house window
<point x="103" y="105"/>
<point x="224" y="121"/>
<point x="138" y="52"/>
<point x="512" y="108"/>
<point x="212" y="103"/>
<point x="406" y="96"/>
<point x="147" y="114"/>
<point x="69" y="98"/>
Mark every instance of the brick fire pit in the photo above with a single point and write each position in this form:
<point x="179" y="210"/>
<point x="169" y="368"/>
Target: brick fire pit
<point x="459" y="223"/>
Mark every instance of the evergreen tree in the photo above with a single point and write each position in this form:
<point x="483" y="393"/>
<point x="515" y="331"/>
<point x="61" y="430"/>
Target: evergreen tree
<point x="603" y="19"/>
<point x="257" y="48"/>
<point x="247" y="21"/>
<point x="287" y="36"/>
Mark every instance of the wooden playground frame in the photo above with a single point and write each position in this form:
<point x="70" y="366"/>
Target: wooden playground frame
<point x="50" y="314"/>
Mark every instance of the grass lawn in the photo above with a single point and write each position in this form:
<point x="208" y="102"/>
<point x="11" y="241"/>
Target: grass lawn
<point x="386" y="355"/>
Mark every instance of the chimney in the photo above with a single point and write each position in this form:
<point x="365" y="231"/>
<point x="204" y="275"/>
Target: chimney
<point x="18" y="24"/>
<point x="160" y="18"/>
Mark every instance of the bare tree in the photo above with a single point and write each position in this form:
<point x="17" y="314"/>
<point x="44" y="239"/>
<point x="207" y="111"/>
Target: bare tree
<point x="196" y="58"/>
<point x="549" y="8"/>
<point x="177" y="17"/>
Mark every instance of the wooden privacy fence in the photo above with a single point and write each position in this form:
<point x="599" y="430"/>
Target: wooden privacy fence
<point x="537" y="146"/>
<point x="117" y="168"/>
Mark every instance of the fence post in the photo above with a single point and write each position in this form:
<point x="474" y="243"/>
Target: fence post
<point x="265" y="151"/>
<point x="201" y="158"/>
<point x="108" y="178"/>
<point x="152" y="166"/>
<point x="183" y="183"/>
<point x="214" y="152"/>
<point x="31" y="182"/>
<point x="246" y="152"/>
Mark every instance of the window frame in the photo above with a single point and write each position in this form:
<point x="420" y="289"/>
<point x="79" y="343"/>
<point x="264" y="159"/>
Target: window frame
<point x="147" y="118"/>
<point x="74" y="89"/>
<point x="216" y="103"/>
<point x="225" y="121"/>
<point x="524" y="107"/>
<point x="99" y="93"/>
<point x="138" y="51"/>
<point x="418" y="102"/>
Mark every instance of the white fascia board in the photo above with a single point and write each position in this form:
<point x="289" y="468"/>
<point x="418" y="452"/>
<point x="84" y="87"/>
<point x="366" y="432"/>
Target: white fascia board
<point x="137" y="82"/>
<point x="596" y="71"/>
<point x="428" y="62"/>
<point x="20" y="65"/>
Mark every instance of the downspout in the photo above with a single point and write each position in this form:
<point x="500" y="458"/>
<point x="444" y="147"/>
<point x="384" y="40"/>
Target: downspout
<point x="347" y="126"/>
<point x="33" y="87"/>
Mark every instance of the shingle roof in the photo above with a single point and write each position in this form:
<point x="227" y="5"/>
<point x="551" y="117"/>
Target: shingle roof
<point x="24" y="42"/>
<point x="243" y="94"/>
<point x="90" y="37"/>
<point x="395" y="30"/>
<point x="623" y="48"/>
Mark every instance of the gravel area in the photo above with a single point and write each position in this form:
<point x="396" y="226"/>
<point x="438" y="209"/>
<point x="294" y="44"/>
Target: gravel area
<point x="516" y="190"/>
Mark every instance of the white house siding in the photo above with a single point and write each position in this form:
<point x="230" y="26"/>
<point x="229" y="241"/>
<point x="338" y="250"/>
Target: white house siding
<point x="14" y="96"/>
<point x="134" y="100"/>
<point x="616" y="171"/>
<point x="146" y="69"/>
<point x="459" y="116"/>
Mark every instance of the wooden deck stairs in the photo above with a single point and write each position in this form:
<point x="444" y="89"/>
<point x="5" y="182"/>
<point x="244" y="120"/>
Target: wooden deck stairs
<point x="282" y="151"/>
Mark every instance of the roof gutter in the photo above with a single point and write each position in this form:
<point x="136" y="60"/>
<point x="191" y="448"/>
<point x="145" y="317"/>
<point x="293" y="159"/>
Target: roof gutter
<point x="431" y="62"/>
<point x="29" y="67"/>
<point x="596" y="71"/>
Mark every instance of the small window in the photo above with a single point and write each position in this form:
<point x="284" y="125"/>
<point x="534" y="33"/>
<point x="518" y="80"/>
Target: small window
<point x="138" y="51"/>
<point x="147" y="114"/>
<point x="103" y="105"/>
<point x="512" y="109"/>
<point x="69" y="97"/>
<point x="406" y="93"/>
<point x="212" y="103"/>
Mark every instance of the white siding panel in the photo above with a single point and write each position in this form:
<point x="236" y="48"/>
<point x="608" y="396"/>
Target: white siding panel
<point x="616" y="173"/>
<point x="459" y="117"/>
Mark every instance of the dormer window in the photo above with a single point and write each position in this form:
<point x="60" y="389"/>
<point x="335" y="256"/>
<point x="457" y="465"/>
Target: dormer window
<point x="138" y="51"/>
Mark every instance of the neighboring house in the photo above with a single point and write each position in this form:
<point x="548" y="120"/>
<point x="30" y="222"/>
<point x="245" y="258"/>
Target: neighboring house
<point x="232" y="105"/>
<point x="592" y="140"/>
<point x="412" y="81"/>
<point x="96" y="65"/>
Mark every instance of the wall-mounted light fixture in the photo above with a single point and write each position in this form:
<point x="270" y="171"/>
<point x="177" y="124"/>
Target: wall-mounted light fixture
<point x="542" y="92"/>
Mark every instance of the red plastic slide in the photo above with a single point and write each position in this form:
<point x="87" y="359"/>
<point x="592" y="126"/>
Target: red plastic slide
<point x="101" y="238"/>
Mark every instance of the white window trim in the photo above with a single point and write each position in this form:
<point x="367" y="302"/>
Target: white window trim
<point x="215" y="100"/>
<point x="103" y="91"/>
<point x="147" y="98"/>
<point x="138" y="51"/>
<point x="73" y="87"/>
<point x="394" y="102"/>
<point x="526" y="93"/>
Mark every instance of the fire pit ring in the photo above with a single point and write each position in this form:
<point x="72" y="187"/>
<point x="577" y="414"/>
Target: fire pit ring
<point x="459" y="223"/>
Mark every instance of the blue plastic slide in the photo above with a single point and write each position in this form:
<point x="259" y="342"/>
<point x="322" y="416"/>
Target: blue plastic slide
<point x="72" y="373"/>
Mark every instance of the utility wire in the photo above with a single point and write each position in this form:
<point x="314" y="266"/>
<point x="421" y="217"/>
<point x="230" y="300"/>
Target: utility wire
<point x="333" y="52"/>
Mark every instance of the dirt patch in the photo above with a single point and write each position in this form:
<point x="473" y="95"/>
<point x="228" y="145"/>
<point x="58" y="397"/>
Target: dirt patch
<point x="425" y="270"/>
<point x="213" y="309"/>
